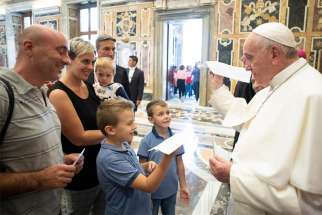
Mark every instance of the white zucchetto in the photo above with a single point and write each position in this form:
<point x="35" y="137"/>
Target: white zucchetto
<point x="277" y="32"/>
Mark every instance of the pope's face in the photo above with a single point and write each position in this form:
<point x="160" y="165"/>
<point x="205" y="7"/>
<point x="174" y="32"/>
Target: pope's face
<point x="256" y="59"/>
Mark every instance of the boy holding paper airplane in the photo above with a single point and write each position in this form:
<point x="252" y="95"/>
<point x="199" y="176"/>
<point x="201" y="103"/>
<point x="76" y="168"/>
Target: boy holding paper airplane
<point x="159" y="115"/>
<point x="119" y="172"/>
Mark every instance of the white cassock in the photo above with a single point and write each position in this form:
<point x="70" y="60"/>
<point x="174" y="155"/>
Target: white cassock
<point x="277" y="161"/>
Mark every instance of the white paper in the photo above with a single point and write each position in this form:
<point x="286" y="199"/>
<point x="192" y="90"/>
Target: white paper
<point x="233" y="72"/>
<point x="172" y="143"/>
<point x="79" y="157"/>
<point x="222" y="152"/>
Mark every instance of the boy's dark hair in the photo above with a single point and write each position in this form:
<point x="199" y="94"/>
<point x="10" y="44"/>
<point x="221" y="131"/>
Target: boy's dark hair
<point x="107" y="112"/>
<point x="134" y="58"/>
<point x="153" y="103"/>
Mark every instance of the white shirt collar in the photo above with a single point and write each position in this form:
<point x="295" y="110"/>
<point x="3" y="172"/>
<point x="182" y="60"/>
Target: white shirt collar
<point x="282" y="76"/>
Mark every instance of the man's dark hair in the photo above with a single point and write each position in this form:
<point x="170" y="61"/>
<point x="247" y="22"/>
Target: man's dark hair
<point x="103" y="38"/>
<point x="134" y="58"/>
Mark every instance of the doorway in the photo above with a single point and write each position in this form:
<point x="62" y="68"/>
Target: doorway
<point x="177" y="44"/>
<point x="184" y="43"/>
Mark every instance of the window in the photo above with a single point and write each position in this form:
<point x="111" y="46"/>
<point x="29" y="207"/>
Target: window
<point x="88" y="23"/>
<point x="27" y="19"/>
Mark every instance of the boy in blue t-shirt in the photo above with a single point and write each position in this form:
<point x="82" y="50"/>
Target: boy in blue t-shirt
<point x="119" y="172"/>
<point x="165" y="195"/>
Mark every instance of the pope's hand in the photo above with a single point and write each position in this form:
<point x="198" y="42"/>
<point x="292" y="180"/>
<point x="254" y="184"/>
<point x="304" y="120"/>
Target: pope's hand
<point x="216" y="81"/>
<point x="220" y="168"/>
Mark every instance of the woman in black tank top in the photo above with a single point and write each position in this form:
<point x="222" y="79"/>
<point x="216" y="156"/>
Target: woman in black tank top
<point x="76" y="103"/>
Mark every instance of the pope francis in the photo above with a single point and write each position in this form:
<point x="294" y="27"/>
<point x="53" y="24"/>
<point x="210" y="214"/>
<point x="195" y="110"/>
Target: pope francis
<point x="276" y="166"/>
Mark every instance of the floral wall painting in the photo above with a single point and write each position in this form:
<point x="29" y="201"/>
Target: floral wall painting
<point x="126" y="23"/>
<point x="257" y="12"/>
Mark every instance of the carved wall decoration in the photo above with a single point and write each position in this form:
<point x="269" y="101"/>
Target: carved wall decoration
<point x="256" y="12"/>
<point x="2" y="34"/>
<point x="240" y="51"/>
<point x="126" y="23"/>
<point x="146" y="60"/>
<point x="300" y="41"/>
<point x="73" y="12"/>
<point x="146" y="24"/>
<point x="226" y="14"/>
<point x="132" y="26"/>
<point x="317" y="18"/>
<point x="297" y="14"/>
<point x="225" y="47"/>
<point x="73" y="22"/>
<point x="316" y="53"/>
<point x="107" y="27"/>
<point x="3" y="45"/>
<point x="17" y="28"/>
<point x="49" y="21"/>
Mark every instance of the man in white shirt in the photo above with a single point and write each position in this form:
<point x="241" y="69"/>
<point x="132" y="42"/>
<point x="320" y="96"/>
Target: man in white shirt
<point x="276" y="166"/>
<point x="136" y="80"/>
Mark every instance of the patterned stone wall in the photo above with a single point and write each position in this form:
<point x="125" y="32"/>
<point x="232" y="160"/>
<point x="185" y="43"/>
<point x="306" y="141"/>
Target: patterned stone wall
<point x="236" y="18"/>
<point x="3" y="44"/>
<point x="132" y="26"/>
<point x="50" y="19"/>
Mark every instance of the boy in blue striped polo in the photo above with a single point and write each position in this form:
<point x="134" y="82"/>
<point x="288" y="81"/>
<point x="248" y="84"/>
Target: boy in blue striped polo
<point x="165" y="196"/>
<point x="119" y="172"/>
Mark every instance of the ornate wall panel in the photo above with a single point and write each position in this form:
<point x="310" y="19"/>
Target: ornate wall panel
<point x="132" y="26"/>
<point x="317" y="16"/>
<point x="73" y="22"/>
<point x="126" y="23"/>
<point x="52" y="21"/>
<point x="146" y="24"/>
<point x="107" y="23"/>
<point x="17" y="28"/>
<point x="225" y="48"/>
<point x="240" y="51"/>
<point x="316" y="53"/>
<point x="145" y="64"/>
<point x="256" y="12"/>
<point x="226" y="16"/>
<point x="297" y="14"/>
<point x="3" y="45"/>
<point x="302" y="16"/>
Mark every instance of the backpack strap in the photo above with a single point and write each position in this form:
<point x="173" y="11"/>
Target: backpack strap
<point x="11" y="97"/>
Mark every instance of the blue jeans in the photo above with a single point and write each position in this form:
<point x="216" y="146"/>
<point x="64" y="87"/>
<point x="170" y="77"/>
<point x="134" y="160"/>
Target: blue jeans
<point x="83" y="202"/>
<point x="168" y="205"/>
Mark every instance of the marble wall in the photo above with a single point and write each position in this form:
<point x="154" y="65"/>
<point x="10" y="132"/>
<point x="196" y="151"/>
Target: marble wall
<point x="3" y="43"/>
<point x="132" y="26"/>
<point x="235" y="19"/>
<point x="133" y="23"/>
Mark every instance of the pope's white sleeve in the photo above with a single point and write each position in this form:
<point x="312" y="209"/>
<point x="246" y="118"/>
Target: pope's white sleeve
<point x="221" y="99"/>
<point x="247" y="188"/>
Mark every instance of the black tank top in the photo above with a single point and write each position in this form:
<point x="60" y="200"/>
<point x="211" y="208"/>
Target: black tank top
<point x="86" y="111"/>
